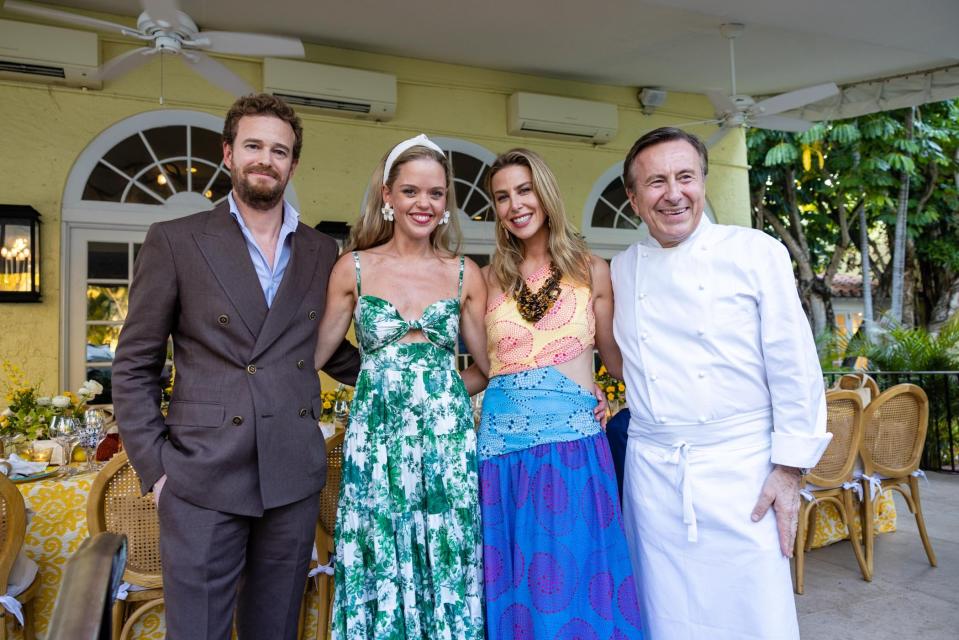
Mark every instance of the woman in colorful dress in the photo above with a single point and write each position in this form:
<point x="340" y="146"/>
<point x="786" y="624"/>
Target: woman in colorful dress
<point x="556" y="564"/>
<point x="408" y="540"/>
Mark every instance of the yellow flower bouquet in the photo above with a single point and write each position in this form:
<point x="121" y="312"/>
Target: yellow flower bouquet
<point x="614" y="389"/>
<point x="28" y="413"/>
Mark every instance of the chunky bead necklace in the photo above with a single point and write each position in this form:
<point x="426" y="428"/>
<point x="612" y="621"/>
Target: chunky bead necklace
<point x="533" y="306"/>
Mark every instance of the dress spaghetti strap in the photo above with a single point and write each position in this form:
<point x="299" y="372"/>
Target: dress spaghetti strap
<point x="459" y="291"/>
<point x="356" y="261"/>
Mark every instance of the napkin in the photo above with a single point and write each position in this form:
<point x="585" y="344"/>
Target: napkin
<point x="21" y="467"/>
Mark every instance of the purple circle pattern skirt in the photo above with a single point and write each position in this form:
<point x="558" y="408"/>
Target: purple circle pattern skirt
<point x="555" y="561"/>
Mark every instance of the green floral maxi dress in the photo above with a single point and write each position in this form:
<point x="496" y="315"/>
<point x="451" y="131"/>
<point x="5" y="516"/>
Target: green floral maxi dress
<point x="408" y="538"/>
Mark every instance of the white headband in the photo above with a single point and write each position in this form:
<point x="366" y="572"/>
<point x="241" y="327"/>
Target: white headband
<point x="419" y="141"/>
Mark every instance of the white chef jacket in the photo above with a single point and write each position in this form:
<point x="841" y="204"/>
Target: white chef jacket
<point x="713" y="329"/>
<point x="722" y="380"/>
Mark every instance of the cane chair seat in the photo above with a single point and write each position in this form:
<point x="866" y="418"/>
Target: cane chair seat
<point x="894" y="434"/>
<point x="322" y="567"/>
<point x="832" y="480"/>
<point x="115" y="505"/>
<point x="13" y="528"/>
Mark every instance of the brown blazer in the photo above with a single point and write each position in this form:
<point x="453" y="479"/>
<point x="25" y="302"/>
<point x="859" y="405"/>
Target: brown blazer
<point x="241" y="433"/>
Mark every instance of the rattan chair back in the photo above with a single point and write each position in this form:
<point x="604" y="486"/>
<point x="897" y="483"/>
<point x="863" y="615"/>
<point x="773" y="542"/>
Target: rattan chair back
<point x="854" y="381"/>
<point x="13" y="527"/>
<point x="894" y="431"/>
<point x="115" y="505"/>
<point x="844" y="422"/>
<point x="330" y="495"/>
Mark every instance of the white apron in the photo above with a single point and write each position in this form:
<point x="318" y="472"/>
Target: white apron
<point x="703" y="568"/>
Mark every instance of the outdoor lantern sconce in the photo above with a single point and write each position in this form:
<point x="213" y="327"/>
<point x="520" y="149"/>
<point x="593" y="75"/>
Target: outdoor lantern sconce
<point x="19" y="253"/>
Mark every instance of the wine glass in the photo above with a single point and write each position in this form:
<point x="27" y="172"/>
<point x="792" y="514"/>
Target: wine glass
<point x="341" y="411"/>
<point x="64" y="431"/>
<point x="89" y="436"/>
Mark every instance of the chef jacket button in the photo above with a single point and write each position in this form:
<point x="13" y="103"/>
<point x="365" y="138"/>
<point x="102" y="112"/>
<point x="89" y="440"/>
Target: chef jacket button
<point x="701" y="331"/>
<point x="654" y="377"/>
<point x="644" y="336"/>
<point x="702" y="420"/>
<point x="312" y="315"/>
<point x="662" y="421"/>
<point x="237" y="420"/>
<point x="251" y="369"/>
<point x="300" y="364"/>
<point x="701" y="287"/>
<point x="703" y="247"/>
<point x="702" y="374"/>
<point x="303" y="413"/>
<point x="645" y="254"/>
<point x="642" y="296"/>
<point x="223" y="319"/>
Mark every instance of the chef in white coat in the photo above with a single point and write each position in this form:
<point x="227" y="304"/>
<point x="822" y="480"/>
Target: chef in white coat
<point x="727" y="403"/>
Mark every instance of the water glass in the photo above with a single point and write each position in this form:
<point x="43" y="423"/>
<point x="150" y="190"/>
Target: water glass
<point x="64" y="431"/>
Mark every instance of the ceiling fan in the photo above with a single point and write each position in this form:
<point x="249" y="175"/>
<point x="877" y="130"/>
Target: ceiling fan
<point x="167" y="30"/>
<point x="742" y="111"/>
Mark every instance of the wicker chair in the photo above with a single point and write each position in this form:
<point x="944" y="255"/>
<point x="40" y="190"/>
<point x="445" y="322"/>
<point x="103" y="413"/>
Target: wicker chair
<point x="115" y="505"/>
<point x="13" y="527"/>
<point x="832" y="480"/>
<point x="325" y="526"/>
<point x="894" y="432"/>
<point x="857" y="382"/>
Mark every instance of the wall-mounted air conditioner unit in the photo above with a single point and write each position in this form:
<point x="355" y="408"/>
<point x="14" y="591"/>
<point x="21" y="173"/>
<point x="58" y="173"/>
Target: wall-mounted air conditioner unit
<point x="533" y="114"/>
<point x="37" y="53"/>
<point x="339" y="90"/>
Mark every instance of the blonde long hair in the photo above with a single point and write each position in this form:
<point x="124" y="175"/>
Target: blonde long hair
<point x="567" y="248"/>
<point x="371" y="230"/>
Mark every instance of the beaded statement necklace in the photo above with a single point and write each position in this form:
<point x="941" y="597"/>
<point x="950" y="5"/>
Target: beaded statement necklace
<point x="533" y="306"/>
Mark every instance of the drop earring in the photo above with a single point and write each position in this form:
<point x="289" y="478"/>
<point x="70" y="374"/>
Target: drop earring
<point x="446" y="218"/>
<point x="387" y="212"/>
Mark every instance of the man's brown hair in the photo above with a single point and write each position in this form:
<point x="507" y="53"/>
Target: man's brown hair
<point x="658" y="136"/>
<point x="263" y="104"/>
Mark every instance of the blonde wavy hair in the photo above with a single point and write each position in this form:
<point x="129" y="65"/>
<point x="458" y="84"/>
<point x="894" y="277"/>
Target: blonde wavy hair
<point x="371" y="230"/>
<point x="567" y="247"/>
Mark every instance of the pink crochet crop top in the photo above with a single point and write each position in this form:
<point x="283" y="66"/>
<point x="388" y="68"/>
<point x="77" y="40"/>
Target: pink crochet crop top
<point x="567" y="329"/>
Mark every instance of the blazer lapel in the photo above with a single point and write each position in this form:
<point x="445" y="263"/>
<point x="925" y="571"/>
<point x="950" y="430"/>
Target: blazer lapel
<point x="289" y="297"/>
<point x="224" y="248"/>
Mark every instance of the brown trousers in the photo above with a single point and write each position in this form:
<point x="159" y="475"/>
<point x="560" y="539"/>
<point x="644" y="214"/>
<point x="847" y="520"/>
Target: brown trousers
<point x="216" y="562"/>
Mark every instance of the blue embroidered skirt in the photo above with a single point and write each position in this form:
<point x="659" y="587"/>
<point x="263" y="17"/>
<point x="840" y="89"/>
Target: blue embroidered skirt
<point x="555" y="561"/>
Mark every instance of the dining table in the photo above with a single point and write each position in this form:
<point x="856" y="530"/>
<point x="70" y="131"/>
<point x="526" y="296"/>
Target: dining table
<point x="57" y="524"/>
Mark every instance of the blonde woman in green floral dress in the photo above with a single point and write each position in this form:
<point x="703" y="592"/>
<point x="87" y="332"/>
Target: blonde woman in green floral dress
<point x="408" y="538"/>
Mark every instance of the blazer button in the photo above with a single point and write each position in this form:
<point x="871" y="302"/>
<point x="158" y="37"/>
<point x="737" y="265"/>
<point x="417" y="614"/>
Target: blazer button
<point x="303" y="413"/>
<point x="223" y="319"/>
<point x="312" y="315"/>
<point x="251" y="369"/>
<point x="300" y="364"/>
<point x="237" y="420"/>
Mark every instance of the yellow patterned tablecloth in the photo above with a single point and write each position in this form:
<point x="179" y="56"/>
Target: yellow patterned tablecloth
<point x="830" y="529"/>
<point x="58" y="525"/>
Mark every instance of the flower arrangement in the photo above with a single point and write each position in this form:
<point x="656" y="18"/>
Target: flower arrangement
<point x="329" y="399"/>
<point x="615" y="389"/>
<point x="28" y="413"/>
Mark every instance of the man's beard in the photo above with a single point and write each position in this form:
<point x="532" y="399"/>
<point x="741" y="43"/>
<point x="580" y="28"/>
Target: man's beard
<point x="260" y="197"/>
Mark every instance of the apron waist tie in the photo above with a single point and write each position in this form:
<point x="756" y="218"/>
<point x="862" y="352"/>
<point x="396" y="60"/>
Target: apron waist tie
<point x="680" y="457"/>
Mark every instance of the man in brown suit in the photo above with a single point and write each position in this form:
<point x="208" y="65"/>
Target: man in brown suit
<point x="237" y="464"/>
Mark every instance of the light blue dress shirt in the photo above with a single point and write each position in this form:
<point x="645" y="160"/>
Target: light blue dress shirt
<point x="270" y="275"/>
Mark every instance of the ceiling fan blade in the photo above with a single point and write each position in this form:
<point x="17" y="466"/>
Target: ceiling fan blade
<point x="249" y="44"/>
<point x="721" y="102"/>
<point x="218" y="74"/>
<point x="794" y="99"/>
<point x="125" y="63"/>
<point x="780" y="123"/>
<point x="64" y="16"/>
<point x="718" y="136"/>
<point x="166" y="13"/>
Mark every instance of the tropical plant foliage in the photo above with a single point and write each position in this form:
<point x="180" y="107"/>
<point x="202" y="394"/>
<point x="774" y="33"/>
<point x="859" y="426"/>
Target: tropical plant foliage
<point x="809" y="189"/>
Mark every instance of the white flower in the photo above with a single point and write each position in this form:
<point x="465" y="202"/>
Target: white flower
<point x="90" y="388"/>
<point x="61" y="402"/>
<point x="7" y="412"/>
<point x="43" y="401"/>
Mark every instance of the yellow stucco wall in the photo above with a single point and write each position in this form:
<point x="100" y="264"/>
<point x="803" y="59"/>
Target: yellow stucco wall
<point x="44" y="128"/>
